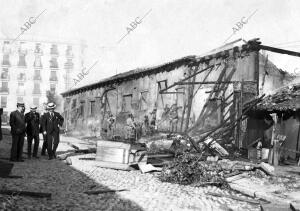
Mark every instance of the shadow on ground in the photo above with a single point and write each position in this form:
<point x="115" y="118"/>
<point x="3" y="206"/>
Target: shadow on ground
<point x="66" y="185"/>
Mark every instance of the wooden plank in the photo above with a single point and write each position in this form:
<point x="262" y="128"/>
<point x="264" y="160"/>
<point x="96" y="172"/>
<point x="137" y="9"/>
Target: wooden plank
<point x="187" y="78"/>
<point x="189" y="103"/>
<point x="26" y="193"/>
<point x="205" y="82"/>
<point x="96" y="192"/>
<point x="279" y="50"/>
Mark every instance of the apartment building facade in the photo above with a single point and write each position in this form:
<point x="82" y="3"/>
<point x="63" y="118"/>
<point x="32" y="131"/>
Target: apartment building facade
<point x="31" y="70"/>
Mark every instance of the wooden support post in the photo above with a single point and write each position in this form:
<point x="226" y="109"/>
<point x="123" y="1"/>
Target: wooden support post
<point x="241" y="113"/>
<point x="189" y="103"/>
<point x="272" y="154"/>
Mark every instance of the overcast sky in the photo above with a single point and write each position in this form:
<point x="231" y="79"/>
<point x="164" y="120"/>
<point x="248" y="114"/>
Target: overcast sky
<point x="170" y="30"/>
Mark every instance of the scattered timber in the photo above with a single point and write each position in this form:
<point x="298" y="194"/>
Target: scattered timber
<point x="235" y="198"/>
<point x="26" y="193"/>
<point x="96" y="192"/>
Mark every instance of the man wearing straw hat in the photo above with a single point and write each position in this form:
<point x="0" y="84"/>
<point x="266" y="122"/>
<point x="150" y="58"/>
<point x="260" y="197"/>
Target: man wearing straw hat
<point x="17" y="124"/>
<point x="32" y="120"/>
<point x="52" y="121"/>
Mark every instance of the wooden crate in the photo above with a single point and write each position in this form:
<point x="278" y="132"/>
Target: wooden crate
<point x="118" y="155"/>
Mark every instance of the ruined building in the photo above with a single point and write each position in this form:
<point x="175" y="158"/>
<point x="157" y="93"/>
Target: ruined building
<point x="193" y="94"/>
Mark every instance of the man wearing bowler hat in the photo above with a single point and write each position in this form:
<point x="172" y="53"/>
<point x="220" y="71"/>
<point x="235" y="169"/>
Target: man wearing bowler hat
<point x="17" y="124"/>
<point x="32" y="120"/>
<point x="52" y="121"/>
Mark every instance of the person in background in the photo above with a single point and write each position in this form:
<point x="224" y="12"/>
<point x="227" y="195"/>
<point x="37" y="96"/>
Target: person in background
<point x="131" y="128"/>
<point x="44" y="147"/>
<point x="52" y="121"/>
<point x="18" y="128"/>
<point x="32" y="120"/>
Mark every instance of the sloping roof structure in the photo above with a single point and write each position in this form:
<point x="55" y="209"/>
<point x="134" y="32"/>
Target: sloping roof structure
<point x="222" y="52"/>
<point x="286" y="98"/>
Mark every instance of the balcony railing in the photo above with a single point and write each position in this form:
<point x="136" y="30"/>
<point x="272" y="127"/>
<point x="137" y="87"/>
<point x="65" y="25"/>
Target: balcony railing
<point x="4" y="90"/>
<point x="53" y="78"/>
<point x="37" y="77"/>
<point x="36" y="92"/>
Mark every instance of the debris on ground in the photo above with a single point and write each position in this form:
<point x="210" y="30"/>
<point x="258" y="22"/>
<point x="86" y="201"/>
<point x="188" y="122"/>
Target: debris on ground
<point x="188" y="169"/>
<point x="148" y="167"/>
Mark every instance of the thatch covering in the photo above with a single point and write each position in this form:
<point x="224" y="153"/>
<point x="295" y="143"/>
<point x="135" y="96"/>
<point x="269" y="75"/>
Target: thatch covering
<point x="286" y="98"/>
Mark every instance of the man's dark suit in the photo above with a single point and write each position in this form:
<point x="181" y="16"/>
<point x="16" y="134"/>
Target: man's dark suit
<point x="32" y="130"/>
<point x="44" y="147"/>
<point x="51" y="127"/>
<point x="17" y="124"/>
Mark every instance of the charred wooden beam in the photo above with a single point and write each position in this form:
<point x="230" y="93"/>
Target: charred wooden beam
<point x="209" y="67"/>
<point x="279" y="50"/>
<point x="172" y="93"/>
<point x="26" y="193"/>
<point x="205" y="82"/>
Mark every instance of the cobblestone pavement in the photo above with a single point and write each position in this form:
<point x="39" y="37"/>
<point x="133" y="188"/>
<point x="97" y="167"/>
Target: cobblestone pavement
<point x="67" y="184"/>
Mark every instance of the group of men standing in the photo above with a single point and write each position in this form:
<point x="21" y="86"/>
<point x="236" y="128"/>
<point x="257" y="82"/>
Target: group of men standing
<point x="32" y="124"/>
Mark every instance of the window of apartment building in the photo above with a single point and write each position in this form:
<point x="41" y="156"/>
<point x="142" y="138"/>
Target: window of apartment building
<point x="20" y="99"/>
<point x="37" y="74"/>
<point x="5" y="60"/>
<point x="162" y="84"/>
<point x="4" y="86"/>
<point x="53" y="76"/>
<point x="6" y="48"/>
<point x="38" y="61"/>
<point x="74" y="102"/>
<point x="4" y="73"/>
<point x="3" y="101"/>
<point x="53" y="63"/>
<point x="126" y="103"/>
<point x="22" y="55"/>
<point x="53" y="49"/>
<point x="52" y="88"/>
<point x="36" y="88"/>
<point x="69" y="51"/>
<point x="5" y="117"/>
<point x="21" y="89"/>
<point x="81" y="109"/>
<point x="38" y="49"/>
<point x="21" y="76"/>
<point x="69" y="64"/>
<point x="36" y="101"/>
<point x="92" y="108"/>
<point x="144" y="100"/>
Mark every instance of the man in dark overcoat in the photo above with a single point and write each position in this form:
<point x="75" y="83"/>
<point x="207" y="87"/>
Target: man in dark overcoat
<point x="32" y="120"/>
<point x="17" y="124"/>
<point x="44" y="147"/>
<point x="52" y="121"/>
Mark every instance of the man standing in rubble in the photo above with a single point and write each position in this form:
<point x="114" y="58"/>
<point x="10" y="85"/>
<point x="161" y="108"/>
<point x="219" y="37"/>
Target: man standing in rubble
<point x="17" y="124"/>
<point x="173" y="118"/>
<point x="32" y="120"/>
<point x="131" y="128"/>
<point x="52" y="121"/>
